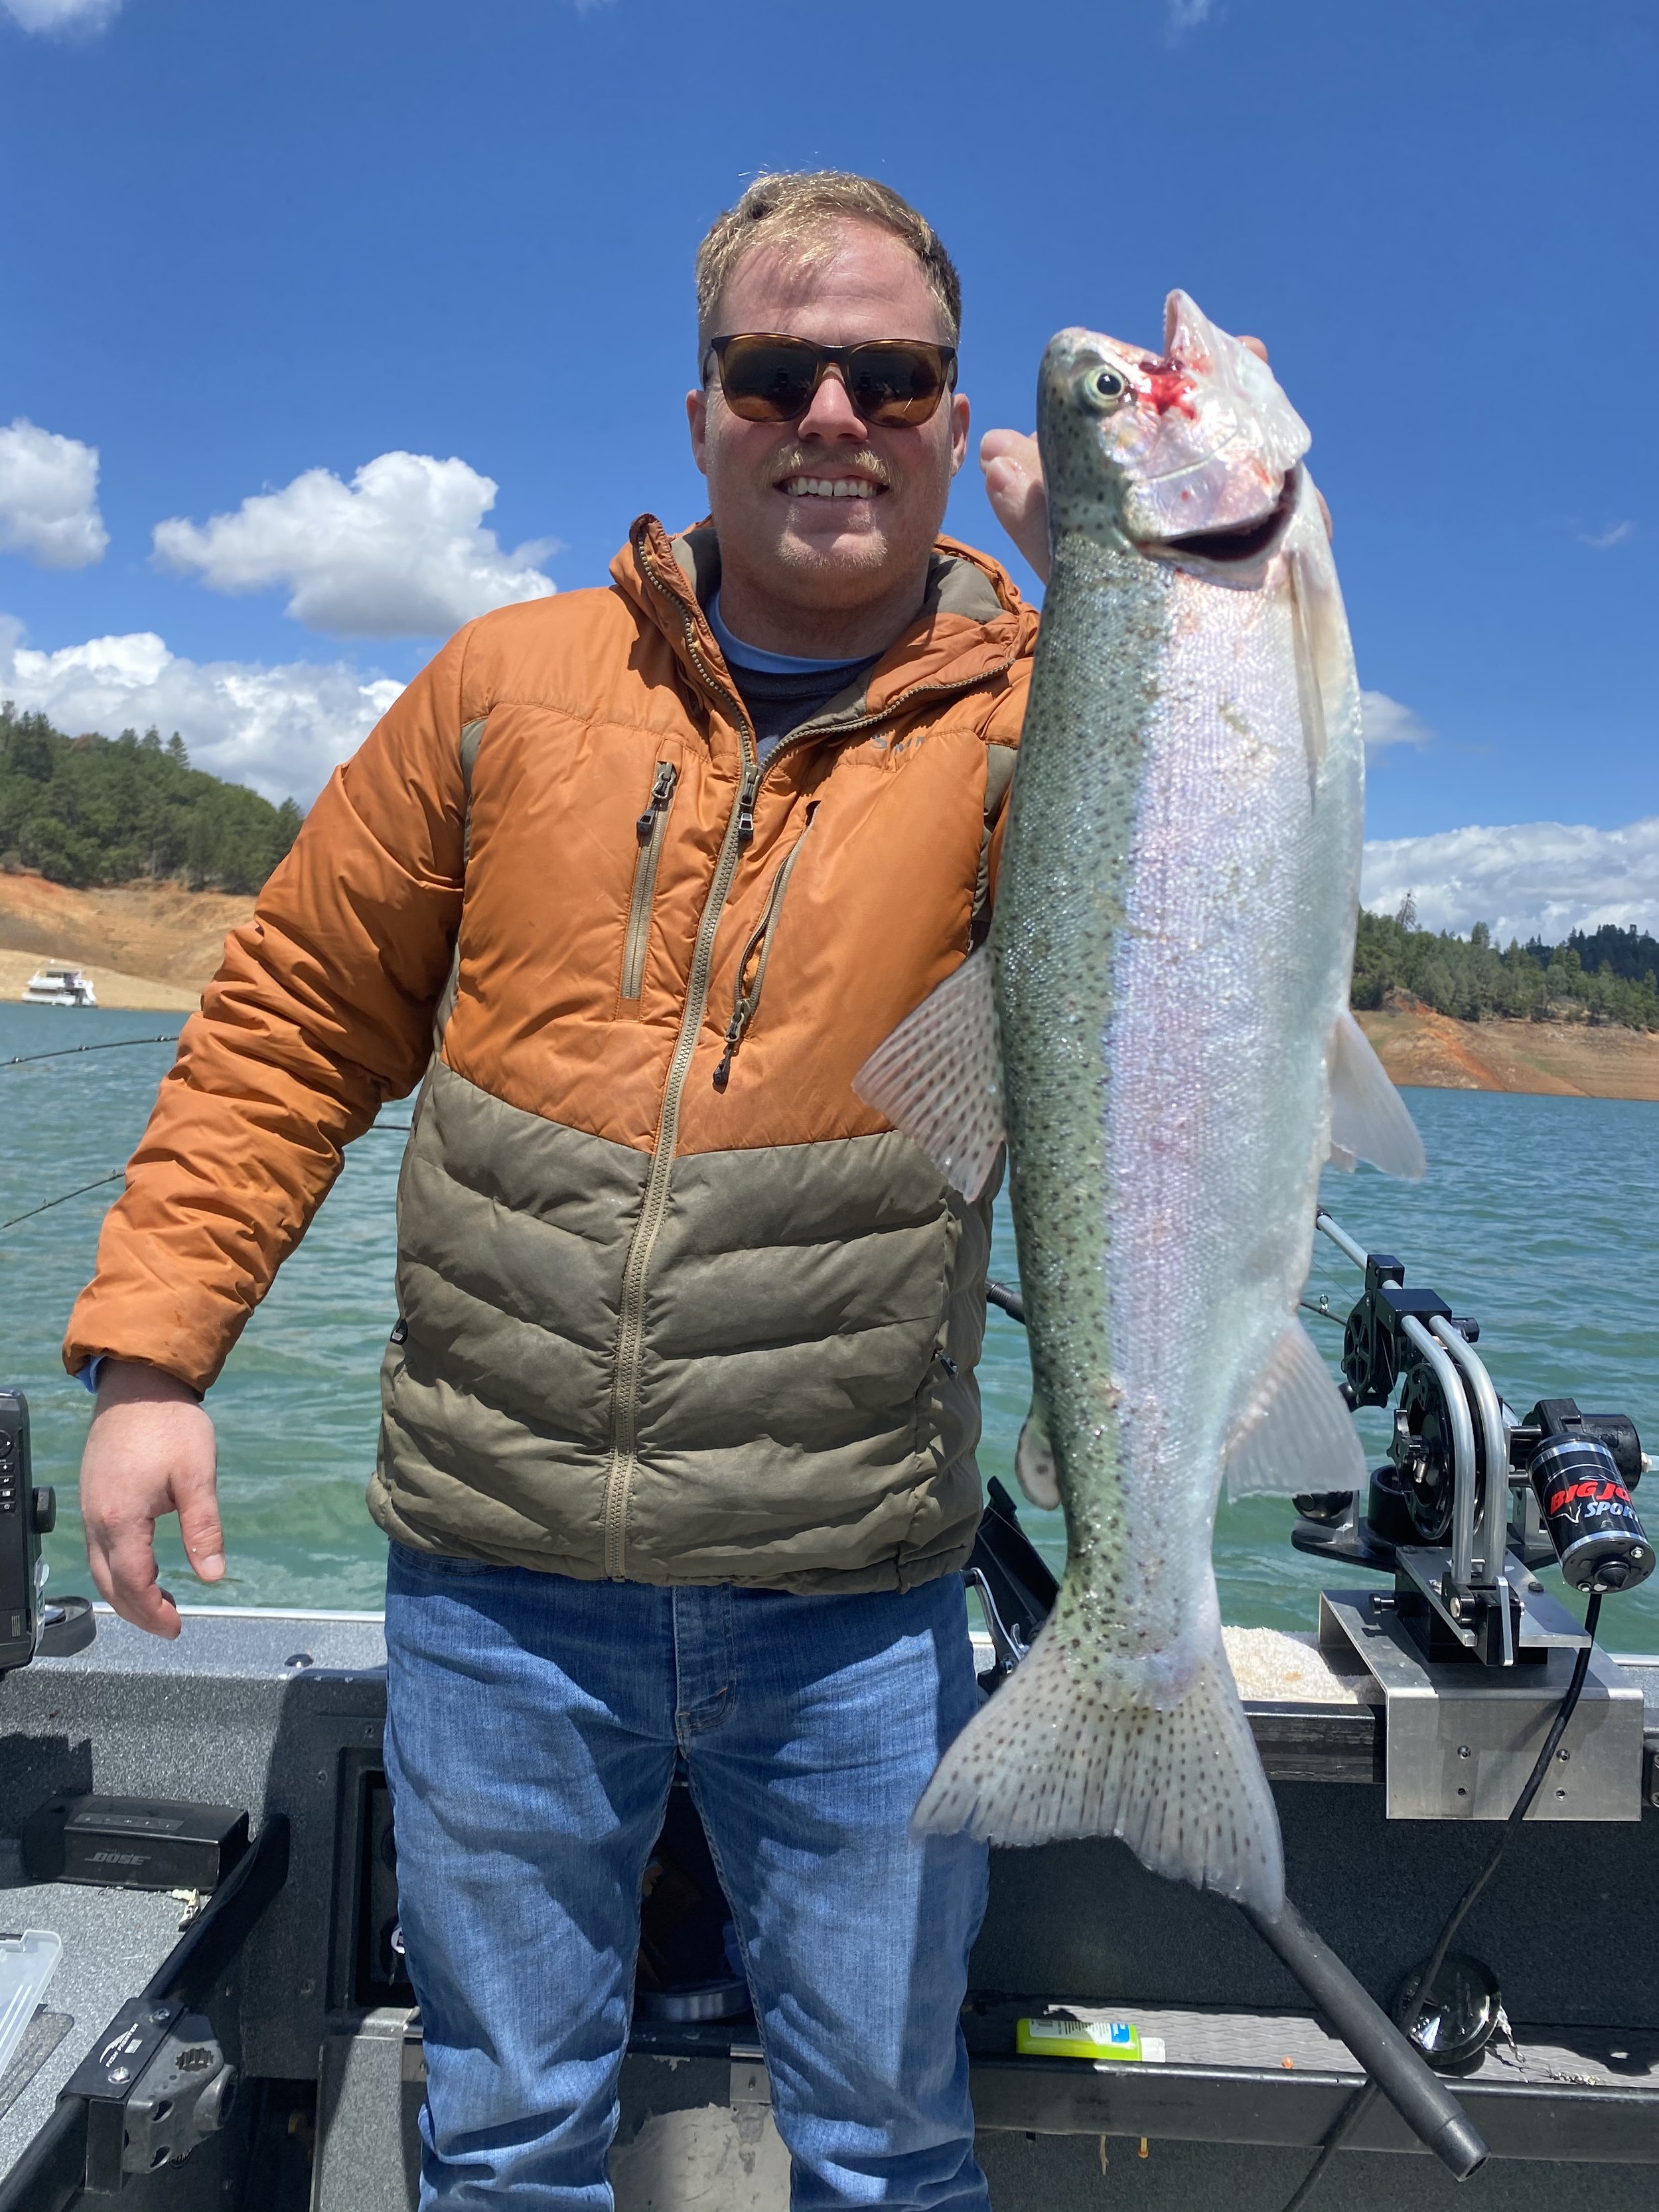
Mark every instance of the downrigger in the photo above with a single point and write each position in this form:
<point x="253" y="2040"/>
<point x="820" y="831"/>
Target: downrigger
<point x="1472" y="1653"/>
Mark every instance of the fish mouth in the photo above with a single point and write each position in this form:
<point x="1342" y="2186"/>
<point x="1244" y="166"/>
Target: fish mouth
<point x="1234" y="549"/>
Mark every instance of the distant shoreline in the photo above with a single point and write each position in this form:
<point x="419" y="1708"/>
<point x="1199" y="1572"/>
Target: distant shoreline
<point x="148" y="947"/>
<point x="153" y="947"/>
<point x="1563" y="1060"/>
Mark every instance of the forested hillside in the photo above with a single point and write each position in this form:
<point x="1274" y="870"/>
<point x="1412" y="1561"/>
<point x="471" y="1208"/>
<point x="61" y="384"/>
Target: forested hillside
<point x="111" y="810"/>
<point x="1607" y="976"/>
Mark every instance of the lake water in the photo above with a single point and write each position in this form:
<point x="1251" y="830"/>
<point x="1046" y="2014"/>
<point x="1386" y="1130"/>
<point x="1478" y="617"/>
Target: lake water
<point x="1540" y="1216"/>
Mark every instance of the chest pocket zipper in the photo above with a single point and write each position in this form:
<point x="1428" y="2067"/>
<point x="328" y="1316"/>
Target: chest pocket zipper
<point x="746" y="994"/>
<point x="651" y="828"/>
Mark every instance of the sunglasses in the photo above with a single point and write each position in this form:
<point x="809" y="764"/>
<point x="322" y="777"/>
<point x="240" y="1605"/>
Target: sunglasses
<point x="767" y="378"/>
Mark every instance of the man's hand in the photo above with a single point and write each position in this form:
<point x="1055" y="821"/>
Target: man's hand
<point x="1020" y="500"/>
<point x="150" y="1450"/>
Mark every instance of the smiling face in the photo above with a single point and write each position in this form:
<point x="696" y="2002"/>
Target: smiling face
<point x="826" y="524"/>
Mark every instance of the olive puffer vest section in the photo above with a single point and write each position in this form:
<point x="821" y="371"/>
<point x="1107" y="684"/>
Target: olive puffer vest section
<point x="805" y="1414"/>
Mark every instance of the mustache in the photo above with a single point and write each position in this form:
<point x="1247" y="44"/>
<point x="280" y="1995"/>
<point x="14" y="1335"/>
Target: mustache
<point x="799" y="460"/>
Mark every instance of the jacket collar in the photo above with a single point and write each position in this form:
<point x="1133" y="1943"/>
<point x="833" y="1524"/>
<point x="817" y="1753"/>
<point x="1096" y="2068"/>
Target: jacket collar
<point x="972" y="625"/>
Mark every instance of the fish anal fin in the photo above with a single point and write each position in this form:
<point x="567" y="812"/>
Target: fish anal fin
<point x="939" y="1076"/>
<point x="1369" y="1120"/>
<point x="1034" y="1459"/>
<point x="1293" y="1431"/>
<point x="1058" y="1752"/>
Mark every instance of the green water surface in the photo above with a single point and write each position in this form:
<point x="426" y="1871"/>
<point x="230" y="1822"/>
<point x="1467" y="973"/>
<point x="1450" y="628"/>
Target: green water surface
<point x="1540" y="1216"/>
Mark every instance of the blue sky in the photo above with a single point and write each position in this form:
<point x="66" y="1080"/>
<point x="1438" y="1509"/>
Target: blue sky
<point x="238" y="245"/>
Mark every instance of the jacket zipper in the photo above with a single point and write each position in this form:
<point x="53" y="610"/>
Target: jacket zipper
<point x="653" y="1204"/>
<point x="651" y="829"/>
<point x="745" y="1001"/>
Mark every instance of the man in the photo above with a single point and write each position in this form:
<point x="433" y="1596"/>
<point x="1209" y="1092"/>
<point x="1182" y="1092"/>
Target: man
<point x="679" y="1416"/>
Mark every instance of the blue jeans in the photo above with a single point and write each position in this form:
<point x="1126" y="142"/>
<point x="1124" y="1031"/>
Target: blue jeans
<point x="533" y="1728"/>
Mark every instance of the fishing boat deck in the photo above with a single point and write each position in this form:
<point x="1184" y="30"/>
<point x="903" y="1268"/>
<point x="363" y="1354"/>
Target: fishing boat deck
<point x="283" y="1713"/>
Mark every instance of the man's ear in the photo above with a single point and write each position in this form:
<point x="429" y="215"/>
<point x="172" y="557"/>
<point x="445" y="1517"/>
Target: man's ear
<point x="959" y="418"/>
<point x="696" y="415"/>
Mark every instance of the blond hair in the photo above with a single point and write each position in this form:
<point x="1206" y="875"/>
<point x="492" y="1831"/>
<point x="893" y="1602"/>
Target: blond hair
<point x="798" y="210"/>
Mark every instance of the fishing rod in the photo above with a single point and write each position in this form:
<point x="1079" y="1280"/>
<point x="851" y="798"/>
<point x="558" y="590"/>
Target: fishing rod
<point x="392" y="1128"/>
<point x="105" y="1044"/>
<point x="114" y="1176"/>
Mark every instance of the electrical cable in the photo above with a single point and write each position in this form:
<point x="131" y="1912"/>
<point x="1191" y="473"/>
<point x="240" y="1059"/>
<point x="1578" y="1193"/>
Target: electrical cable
<point x="67" y="1051"/>
<point x="1360" y="2103"/>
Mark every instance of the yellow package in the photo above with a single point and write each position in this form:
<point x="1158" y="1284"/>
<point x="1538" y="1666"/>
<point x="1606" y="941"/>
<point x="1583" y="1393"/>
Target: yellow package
<point x="1059" y="2037"/>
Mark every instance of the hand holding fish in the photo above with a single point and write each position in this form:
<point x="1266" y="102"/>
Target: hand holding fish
<point x="1018" y="498"/>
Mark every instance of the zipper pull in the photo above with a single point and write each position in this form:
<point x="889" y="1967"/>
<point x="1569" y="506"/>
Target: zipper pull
<point x="734" y="1030"/>
<point x="661" y="792"/>
<point x="746" y="807"/>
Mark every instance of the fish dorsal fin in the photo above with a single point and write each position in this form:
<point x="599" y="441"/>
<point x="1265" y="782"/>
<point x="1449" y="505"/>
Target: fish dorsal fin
<point x="1293" y="1432"/>
<point x="1034" y="1459"/>
<point x="1369" y="1121"/>
<point x="938" y="1077"/>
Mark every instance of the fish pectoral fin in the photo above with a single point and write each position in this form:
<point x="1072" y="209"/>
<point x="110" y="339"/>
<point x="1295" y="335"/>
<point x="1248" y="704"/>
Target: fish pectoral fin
<point x="1034" y="1459"/>
<point x="938" y="1077"/>
<point x="1369" y="1121"/>
<point x="1293" y="1432"/>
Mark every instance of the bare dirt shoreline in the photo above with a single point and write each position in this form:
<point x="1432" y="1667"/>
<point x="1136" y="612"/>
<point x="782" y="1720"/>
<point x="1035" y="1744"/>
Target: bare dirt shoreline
<point x="154" y="946"/>
<point x="1570" y="1060"/>
<point x="144" y="945"/>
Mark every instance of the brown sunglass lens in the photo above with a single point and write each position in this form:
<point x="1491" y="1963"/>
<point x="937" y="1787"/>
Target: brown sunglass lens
<point x="894" y="384"/>
<point x="766" y="381"/>
<point x="773" y="379"/>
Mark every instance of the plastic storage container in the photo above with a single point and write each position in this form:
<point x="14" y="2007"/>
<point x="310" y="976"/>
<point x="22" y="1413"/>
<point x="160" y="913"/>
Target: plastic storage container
<point x="28" y="1963"/>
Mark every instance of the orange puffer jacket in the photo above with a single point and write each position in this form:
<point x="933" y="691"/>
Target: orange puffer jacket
<point x="675" y="1305"/>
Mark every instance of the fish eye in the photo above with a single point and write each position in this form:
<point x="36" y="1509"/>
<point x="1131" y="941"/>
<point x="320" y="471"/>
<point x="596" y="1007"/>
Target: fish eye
<point x="1101" y="389"/>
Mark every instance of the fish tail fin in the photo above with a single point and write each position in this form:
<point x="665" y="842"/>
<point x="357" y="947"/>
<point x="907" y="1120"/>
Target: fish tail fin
<point x="1058" y="1752"/>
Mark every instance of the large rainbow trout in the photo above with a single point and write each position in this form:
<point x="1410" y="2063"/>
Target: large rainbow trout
<point x="1158" y="1027"/>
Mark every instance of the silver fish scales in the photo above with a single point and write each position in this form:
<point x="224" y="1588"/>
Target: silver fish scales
<point x="1158" y="1028"/>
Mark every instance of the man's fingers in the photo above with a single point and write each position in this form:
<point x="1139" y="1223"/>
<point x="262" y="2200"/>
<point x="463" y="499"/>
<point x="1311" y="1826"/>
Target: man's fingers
<point x="199" y="1524"/>
<point x="1255" y="347"/>
<point x="1018" y="496"/>
<point x="122" y="1561"/>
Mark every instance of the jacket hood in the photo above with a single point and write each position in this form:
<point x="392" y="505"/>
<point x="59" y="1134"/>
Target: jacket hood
<point x="973" y="621"/>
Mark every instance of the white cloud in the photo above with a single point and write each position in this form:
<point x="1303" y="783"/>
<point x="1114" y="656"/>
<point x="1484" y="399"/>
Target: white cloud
<point x="1187" y="15"/>
<point x="61" y="15"/>
<point x="49" y="498"/>
<point x="280" y="728"/>
<point x="1386" y="722"/>
<point x="398" y="552"/>
<point x="1602" y="541"/>
<point x="1529" y="879"/>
